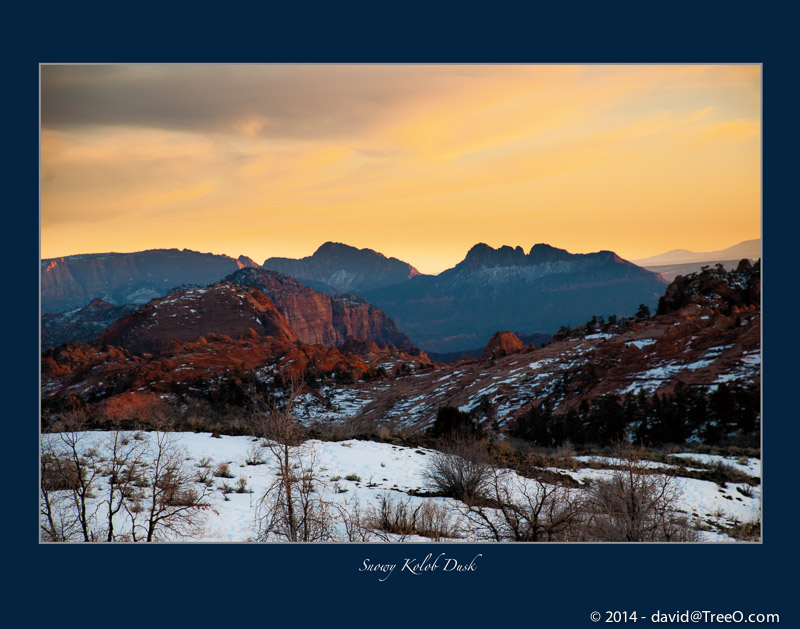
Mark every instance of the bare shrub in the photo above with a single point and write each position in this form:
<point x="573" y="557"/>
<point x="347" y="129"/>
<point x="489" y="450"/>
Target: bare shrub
<point x="526" y="510"/>
<point x="292" y="507"/>
<point x="241" y="486"/>
<point x="355" y="528"/>
<point x="746" y="531"/>
<point x="203" y="475"/>
<point x="460" y="470"/>
<point x="634" y="505"/>
<point x="58" y="472"/>
<point x="184" y="498"/>
<point x="435" y="521"/>
<point x="255" y="454"/>
<point x="393" y="518"/>
<point x="223" y="470"/>
<point x="59" y="518"/>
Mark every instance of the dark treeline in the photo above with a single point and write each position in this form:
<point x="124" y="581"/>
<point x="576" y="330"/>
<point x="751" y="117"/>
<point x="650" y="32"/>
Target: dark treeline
<point x="729" y="411"/>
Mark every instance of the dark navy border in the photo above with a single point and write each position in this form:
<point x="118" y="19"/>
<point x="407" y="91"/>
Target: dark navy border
<point x="255" y="586"/>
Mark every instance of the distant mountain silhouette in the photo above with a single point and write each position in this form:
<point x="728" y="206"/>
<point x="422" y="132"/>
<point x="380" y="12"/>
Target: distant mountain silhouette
<point x="339" y="268"/>
<point x="457" y="310"/>
<point x="495" y="289"/>
<point x="747" y="249"/>
<point x="128" y="278"/>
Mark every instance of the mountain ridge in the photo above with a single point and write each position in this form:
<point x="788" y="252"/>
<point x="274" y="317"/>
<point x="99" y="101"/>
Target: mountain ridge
<point x="253" y="301"/>
<point x="123" y="278"/>
<point x="705" y="334"/>
<point x="504" y="288"/>
<point x="745" y="249"/>
<point x="344" y="268"/>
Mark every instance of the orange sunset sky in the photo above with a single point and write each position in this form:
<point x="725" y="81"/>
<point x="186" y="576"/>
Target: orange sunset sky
<point x="419" y="162"/>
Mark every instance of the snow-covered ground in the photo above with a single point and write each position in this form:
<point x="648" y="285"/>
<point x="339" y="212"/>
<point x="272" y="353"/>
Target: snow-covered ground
<point x="362" y="472"/>
<point x="751" y="467"/>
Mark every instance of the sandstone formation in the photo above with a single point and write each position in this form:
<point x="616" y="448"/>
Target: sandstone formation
<point x="111" y="382"/>
<point x="223" y="309"/>
<point x="321" y="318"/>
<point x="501" y="344"/>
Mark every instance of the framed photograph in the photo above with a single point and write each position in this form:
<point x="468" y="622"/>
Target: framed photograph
<point x="398" y="327"/>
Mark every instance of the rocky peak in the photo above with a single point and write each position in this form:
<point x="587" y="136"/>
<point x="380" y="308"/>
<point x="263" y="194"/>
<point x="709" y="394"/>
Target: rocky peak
<point x="265" y="280"/>
<point x="321" y="318"/>
<point x="542" y="252"/>
<point x="244" y="262"/>
<point x="344" y="269"/>
<point x="482" y="255"/>
<point x="335" y="250"/>
<point x="80" y="325"/>
<point x="99" y="304"/>
<point x="715" y="288"/>
<point x="501" y="344"/>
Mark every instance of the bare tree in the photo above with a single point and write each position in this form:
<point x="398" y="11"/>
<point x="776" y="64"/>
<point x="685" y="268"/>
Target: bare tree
<point x="292" y="507"/>
<point x="525" y="510"/>
<point x="637" y="505"/>
<point x="69" y="458"/>
<point x="170" y="503"/>
<point x="59" y="518"/>
<point x="122" y="470"/>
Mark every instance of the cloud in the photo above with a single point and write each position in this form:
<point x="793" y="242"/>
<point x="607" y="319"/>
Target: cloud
<point x="301" y="154"/>
<point x="284" y="101"/>
<point x="328" y="101"/>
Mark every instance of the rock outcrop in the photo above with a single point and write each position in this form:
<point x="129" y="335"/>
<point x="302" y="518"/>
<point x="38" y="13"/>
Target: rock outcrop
<point x="320" y="318"/>
<point x="225" y="309"/>
<point x="112" y="383"/>
<point x="715" y="288"/>
<point x="501" y="344"/>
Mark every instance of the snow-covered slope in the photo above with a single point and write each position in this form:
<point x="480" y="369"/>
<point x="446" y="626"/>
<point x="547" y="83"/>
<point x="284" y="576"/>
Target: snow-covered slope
<point x="359" y="474"/>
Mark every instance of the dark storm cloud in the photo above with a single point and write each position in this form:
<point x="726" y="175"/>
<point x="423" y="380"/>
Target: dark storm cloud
<point x="289" y="101"/>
